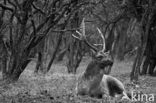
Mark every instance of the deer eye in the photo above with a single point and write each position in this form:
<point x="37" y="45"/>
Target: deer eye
<point x="99" y="57"/>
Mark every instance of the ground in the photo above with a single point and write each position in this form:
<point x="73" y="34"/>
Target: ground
<point x="58" y="86"/>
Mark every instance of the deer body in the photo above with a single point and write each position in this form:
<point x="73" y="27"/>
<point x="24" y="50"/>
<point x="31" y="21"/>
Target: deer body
<point x="99" y="85"/>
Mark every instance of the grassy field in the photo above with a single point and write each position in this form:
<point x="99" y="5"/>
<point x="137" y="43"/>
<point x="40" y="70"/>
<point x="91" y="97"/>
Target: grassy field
<point x="58" y="86"/>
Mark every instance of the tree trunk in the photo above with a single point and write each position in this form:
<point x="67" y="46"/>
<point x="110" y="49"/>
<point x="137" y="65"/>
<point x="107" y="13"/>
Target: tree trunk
<point x="4" y="61"/>
<point x="55" y="51"/>
<point x="42" y="51"/>
<point x="75" y="48"/>
<point x="39" y="63"/>
<point x="16" y="64"/>
<point x="61" y="55"/>
<point x="144" y="37"/>
<point x="17" y="71"/>
<point x="136" y="65"/>
<point x="146" y="65"/>
<point x="75" y="55"/>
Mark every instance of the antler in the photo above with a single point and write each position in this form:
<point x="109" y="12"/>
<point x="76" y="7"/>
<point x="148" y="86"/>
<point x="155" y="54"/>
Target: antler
<point x="103" y="39"/>
<point x="82" y="36"/>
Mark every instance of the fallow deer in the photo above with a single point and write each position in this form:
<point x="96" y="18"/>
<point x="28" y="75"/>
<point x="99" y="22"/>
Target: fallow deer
<point x="94" y="82"/>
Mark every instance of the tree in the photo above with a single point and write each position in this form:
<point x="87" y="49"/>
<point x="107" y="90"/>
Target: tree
<point x="145" y="26"/>
<point x="26" y="31"/>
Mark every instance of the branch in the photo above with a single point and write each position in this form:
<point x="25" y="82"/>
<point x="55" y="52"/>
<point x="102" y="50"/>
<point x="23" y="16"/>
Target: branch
<point x="119" y="17"/>
<point x="65" y="30"/>
<point x="6" y="8"/>
<point x="35" y="40"/>
<point x="34" y="28"/>
<point x="11" y="38"/>
<point x="11" y="3"/>
<point x="27" y="4"/>
<point x="38" y="9"/>
<point x="100" y="18"/>
<point x="17" y="3"/>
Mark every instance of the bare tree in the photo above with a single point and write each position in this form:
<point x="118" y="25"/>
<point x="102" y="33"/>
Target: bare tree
<point x="26" y="32"/>
<point x="145" y="25"/>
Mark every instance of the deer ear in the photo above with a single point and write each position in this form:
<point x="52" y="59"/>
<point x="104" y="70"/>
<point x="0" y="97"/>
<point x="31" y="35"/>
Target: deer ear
<point x="93" y="51"/>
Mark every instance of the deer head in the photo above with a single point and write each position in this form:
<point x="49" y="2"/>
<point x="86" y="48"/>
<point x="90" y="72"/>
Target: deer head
<point x="101" y="59"/>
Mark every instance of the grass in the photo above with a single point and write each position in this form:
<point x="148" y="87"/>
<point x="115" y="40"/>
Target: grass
<point x="58" y="86"/>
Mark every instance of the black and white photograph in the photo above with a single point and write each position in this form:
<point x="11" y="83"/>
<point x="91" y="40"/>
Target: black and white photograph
<point x="77" y="51"/>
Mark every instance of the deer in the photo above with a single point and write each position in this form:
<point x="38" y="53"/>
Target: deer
<point x="94" y="82"/>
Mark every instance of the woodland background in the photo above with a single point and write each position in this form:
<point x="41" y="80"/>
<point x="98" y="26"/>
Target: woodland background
<point x="40" y="60"/>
